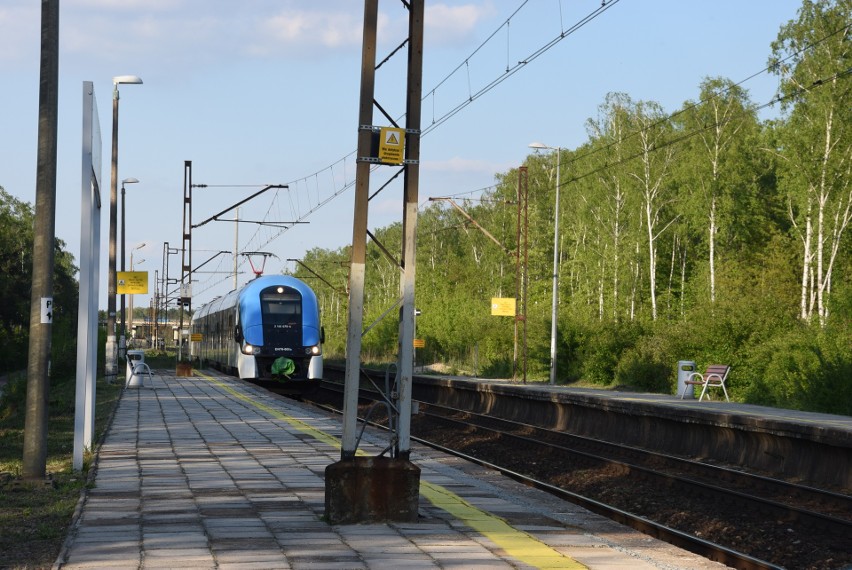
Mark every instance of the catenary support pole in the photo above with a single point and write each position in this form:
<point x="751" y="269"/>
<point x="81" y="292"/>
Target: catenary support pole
<point x="359" y="232"/>
<point x="409" y="222"/>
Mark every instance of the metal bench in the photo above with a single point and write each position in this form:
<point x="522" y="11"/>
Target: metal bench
<point x="714" y="376"/>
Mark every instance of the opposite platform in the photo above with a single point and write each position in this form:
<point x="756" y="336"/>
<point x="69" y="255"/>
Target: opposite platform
<point x="212" y="472"/>
<point x="808" y="447"/>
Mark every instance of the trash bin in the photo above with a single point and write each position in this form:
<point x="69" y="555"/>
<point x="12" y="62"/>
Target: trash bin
<point x="684" y="369"/>
<point x="134" y="358"/>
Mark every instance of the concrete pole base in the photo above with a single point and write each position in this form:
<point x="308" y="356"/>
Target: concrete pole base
<point x="371" y="490"/>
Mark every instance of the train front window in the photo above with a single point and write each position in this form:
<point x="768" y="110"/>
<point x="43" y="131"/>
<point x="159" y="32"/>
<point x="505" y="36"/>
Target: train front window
<point x="281" y="307"/>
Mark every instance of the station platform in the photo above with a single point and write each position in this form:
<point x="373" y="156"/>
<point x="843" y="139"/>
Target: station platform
<point x="211" y="472"/>
<point x="808" y="447"/>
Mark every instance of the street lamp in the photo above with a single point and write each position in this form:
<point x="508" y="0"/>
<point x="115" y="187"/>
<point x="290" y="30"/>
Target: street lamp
<point x="122" y="340"/>
<point x="539" y="146"/>
<point x="111" y="365"/>
<point x="122" y="343"/>
<point x="131" y="294"/>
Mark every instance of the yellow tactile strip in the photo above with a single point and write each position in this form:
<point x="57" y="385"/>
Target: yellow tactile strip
<point x="516" y="543"/>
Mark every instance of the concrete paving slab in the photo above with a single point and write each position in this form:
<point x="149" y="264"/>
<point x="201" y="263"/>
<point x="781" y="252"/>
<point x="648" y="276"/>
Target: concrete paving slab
<point x="211" y="472"/>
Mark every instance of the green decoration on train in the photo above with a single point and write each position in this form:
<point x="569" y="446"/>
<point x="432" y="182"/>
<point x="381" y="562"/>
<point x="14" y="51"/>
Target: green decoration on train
<point x="283" y="367"/>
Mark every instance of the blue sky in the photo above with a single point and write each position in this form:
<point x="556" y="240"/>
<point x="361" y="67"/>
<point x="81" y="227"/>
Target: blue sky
<point x="266" y="92"/>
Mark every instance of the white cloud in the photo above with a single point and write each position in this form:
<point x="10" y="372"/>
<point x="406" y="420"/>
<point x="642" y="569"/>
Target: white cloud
<point x="452" y="25"/>
<point x="179" y="32"/>
<point x="332" y="28"/>
<point x="318" y="29"/>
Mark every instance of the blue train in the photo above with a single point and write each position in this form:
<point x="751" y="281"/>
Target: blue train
<point x="269" y="331"/>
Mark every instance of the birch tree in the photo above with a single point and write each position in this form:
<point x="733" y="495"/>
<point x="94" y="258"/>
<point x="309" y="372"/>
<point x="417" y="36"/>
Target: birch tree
<point x="813" y="58"/>
<point x="609" y="206"/>
<point x="722" y="123"/>
<point x="651" y="175"/>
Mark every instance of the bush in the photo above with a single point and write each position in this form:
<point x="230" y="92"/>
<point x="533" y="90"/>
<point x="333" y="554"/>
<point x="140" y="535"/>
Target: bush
<point x="14" y="396"/>
<point x="640" y="370"/>
<point x="600" y="348"/>
<point x="803" y="371"/>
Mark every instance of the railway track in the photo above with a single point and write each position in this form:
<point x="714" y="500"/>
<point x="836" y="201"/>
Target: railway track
<point x="739" y="519"/>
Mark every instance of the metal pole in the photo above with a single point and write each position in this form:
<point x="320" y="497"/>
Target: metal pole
<point x="409" y="222"/>
<point x="236" y="246"/>
<point x="44" y="234"/>
<point x="156" y="309"/>
<point x="122" y="335"/>
<point x="525" y="277"/>
<point x="555" y="276"/>
<point x="111" y="352"/>
<point x="130" y="302"/>
<point x="359" y="232"/>
<point x="87" y="305"/>
<point x="111" y="366"/>
<point x="186" y="253"/>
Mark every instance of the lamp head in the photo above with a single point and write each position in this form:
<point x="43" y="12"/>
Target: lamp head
<point x="538" y="145"/>
<point x="130" y="181"/>
<point x="126" y="79"/>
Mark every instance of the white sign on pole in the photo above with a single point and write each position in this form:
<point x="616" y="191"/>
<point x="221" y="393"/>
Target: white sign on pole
<point x="46" y="310"/>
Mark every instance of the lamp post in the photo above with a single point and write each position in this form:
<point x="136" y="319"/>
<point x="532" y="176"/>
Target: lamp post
<point x="538" y="145"/>
<point x="131" y="295"/>
<point x="111" y="365"/>
<point x="122" y="342"/>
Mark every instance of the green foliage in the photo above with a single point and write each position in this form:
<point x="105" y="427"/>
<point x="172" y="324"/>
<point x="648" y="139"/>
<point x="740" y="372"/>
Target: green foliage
<point x="802" y="371"/>
<point x="601" y="348"/>
<point x="16" y="223"/>
<point x="16" y="238"/>
<point x="640" y="368"/>
<point x="13" y="397"/>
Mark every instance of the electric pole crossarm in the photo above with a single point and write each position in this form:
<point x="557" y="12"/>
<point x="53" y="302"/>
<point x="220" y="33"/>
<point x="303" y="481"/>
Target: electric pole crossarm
<point x="240" y="203"/>
<point x="385" y="250"/>
<point x="214" y="256"/>
<point x="318" y="276"/>
<point x="263" y="223"/>
<point x="472" y="221"/>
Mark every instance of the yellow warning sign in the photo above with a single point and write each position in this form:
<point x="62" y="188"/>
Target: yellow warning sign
<point x="503" y="306"/>
<point x="132" y="282"/>
<point x="419" y="343"/>
<point x="391" y="145"/>
<point x="196" y="337"/>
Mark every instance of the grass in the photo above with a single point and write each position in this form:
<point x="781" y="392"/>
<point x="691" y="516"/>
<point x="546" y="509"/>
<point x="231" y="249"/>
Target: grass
<point x="34" y="516"/>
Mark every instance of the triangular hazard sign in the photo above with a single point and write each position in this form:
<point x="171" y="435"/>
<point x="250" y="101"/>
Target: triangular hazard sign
<point x="392" y="138"/>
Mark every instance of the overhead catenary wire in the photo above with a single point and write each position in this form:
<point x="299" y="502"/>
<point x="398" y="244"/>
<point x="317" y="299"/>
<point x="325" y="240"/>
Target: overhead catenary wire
<point x="709" y="126"/>
<point x="511" y="69"/>
<point x="668" y="118"/>
<point x="688" y="135"/>
<point x="337" y="171"/>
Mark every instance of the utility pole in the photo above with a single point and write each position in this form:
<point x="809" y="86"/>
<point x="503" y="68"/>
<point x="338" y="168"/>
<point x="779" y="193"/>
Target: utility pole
<point x="361" y="489"/>
<point x="44" y="234"/>
<point x="185" y="302"/>
<point x="411" y="185"/>
<point x="357" y="267"/>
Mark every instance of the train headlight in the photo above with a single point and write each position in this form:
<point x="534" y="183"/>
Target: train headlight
<point x="313" y="350"/>
<point x="248" y="349"/>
